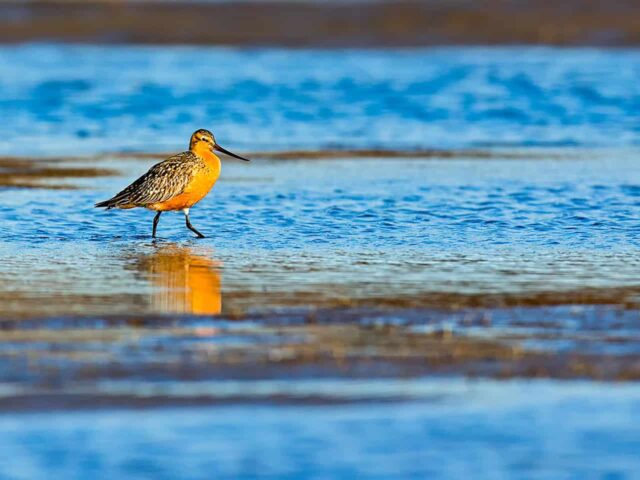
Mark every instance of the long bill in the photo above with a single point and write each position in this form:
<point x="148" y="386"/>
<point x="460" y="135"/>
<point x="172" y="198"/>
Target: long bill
<point x="224" y="150"/>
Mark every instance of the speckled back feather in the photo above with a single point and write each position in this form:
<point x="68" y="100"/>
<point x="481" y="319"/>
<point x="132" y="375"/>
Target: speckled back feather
<point x="162" y="182"/>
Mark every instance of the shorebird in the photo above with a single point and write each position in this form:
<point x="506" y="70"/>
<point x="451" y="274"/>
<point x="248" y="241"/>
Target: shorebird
<point x="177" y="183"/>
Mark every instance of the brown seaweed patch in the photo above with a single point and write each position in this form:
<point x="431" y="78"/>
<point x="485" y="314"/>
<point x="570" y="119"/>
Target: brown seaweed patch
<point x="37" y="173"/>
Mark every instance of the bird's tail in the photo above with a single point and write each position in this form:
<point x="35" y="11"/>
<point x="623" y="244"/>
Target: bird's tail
<point x="119" y="201"/>
<point x="108" y="204"/>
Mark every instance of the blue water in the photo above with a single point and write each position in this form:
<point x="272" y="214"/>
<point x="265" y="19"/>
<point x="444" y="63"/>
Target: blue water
<point x="484" y="430"/>
<point x="550" y="206"/>
<point x="451" y="204"/>
<point x="83" y="99"/>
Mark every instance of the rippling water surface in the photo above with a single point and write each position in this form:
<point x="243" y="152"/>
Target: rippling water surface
<point x="497" y="237"/>
<point x="340" y="229"/>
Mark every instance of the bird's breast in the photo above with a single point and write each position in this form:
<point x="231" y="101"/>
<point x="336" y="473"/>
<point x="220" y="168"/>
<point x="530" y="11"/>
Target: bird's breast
<point x="203" y="179"/>
<point x="201" y="183"/>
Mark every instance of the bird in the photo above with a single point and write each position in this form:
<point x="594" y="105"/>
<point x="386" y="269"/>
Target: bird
<point x="177" y="183"/>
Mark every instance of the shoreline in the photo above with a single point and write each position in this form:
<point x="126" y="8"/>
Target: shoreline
<point x="329" y="25"/>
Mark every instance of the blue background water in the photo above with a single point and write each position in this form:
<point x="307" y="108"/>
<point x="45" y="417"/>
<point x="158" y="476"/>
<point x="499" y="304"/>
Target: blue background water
<point x="83" y="99"/>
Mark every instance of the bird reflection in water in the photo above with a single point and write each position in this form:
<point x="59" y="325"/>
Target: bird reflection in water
<point x="184" y="281"/>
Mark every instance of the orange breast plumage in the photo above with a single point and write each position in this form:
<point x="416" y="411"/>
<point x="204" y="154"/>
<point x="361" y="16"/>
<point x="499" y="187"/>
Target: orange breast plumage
<point x="198" y="187"/>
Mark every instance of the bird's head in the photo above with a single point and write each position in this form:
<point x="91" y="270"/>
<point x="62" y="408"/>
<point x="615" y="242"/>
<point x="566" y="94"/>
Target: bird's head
<point x="204" y="140"/>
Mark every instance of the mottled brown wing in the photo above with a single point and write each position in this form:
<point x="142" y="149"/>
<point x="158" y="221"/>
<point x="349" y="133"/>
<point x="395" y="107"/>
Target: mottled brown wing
<point x="162" y="182"/>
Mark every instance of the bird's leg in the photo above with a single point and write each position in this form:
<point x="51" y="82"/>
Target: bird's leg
<point x="156" y="219"/>
<point x="189" y="226"/>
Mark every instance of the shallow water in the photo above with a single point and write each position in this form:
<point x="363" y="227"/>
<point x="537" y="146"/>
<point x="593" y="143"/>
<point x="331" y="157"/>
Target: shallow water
<point x="282" y="232"/>
<point x="477" y="260"/>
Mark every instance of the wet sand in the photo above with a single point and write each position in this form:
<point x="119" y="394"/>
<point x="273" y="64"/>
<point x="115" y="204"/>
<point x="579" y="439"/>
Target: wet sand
<point x="323" y="24"/>
<point x="181" y="360"/>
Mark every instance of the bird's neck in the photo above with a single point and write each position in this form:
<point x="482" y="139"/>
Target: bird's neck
<point x="208" y="156"/>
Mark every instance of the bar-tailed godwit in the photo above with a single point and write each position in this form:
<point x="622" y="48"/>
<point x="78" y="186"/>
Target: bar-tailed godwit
<point x="177" y="183"/>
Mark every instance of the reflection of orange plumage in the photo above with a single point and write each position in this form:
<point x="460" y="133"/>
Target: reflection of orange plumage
<point x="184" y="282"/>
<point x="177" y="183"/>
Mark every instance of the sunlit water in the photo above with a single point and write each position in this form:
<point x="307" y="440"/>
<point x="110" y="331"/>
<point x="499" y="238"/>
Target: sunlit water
<point x="339" y="229"/>
<point x="418" y="243"/>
